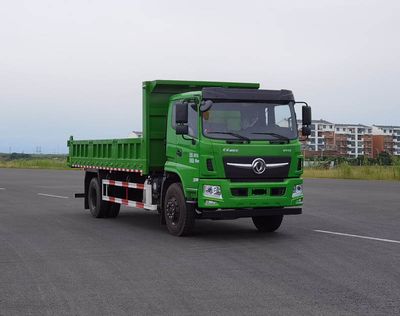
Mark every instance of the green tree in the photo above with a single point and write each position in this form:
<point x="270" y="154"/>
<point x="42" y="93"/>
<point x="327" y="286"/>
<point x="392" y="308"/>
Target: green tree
<point x="385" y="159"/>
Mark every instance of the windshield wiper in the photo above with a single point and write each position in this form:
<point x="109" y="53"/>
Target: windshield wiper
<point x="279" y="136"/>
<point x="233" y="134"/>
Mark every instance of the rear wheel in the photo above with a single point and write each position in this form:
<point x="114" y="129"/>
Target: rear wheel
<point x="267" y="223"/>
<point x="98" y="208"/>
<point x="179" y="216"/>
<point x="114" y="210"/>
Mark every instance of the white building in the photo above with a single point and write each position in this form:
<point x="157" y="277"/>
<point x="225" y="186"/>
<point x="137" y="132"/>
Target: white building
<point x="357" y="137"/>
<point x="352" y="140"/>
<point x="390" y="130"/>
<point x="317" y="141"/>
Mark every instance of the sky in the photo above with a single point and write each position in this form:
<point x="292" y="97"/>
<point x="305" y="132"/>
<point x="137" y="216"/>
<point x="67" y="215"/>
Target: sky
<point x="76" y="67"/>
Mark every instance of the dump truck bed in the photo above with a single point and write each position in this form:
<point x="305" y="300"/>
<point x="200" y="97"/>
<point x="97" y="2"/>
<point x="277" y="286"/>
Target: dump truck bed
<point x="147" y="153"/>
<point x="109" y="154"/>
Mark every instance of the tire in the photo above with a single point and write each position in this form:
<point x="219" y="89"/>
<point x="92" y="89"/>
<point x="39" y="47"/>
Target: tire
<point x="114" y="210"/>
<point x="267" y="224"/>
<point x="98" y="208"/>
<point x="179" y="216"/>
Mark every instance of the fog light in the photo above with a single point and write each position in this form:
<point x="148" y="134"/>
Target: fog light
<point x="297" y="191"/>
<point x="213" y="191"/>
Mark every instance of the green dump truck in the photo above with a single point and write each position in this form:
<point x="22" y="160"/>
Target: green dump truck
<point x="209" y="150"/>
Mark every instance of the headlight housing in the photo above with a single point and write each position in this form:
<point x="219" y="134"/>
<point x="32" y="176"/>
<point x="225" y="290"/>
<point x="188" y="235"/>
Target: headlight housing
<point x="297" y="190"/>
<point x="212" y="191"/>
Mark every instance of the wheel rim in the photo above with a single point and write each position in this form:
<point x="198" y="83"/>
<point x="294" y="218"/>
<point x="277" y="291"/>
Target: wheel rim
<point x="93" y="198"/>
<point x="172" y="211"/>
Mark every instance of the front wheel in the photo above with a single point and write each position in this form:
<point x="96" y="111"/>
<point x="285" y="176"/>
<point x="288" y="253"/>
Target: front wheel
<point x="179" y="216"/>
<point x="267" y="224"/>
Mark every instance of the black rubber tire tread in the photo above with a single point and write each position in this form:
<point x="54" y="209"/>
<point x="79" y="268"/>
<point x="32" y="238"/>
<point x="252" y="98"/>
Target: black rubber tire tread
<point x="113" y="210"/>
<point x="187" y="212"/>
<point x="101" y="208"/>
<point x="267" y="224"/>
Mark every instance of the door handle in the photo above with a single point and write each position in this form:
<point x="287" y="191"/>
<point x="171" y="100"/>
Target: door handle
<point x="179" y="152"/>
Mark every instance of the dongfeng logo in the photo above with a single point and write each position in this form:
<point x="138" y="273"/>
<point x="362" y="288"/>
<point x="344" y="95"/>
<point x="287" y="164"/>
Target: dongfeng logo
<point x="258" y="165"/>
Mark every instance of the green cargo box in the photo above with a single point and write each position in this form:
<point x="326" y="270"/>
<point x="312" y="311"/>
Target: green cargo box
<point x="112" y="154"/>
<point x="144" y="154"/>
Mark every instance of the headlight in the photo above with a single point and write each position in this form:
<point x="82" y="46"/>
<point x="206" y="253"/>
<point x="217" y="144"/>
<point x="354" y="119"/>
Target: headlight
<point x="297" y="191"/>
<point x="213" y="191"/>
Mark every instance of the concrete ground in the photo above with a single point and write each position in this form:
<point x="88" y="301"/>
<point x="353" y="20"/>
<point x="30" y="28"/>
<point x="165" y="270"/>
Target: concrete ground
<point x="341" y="257"/>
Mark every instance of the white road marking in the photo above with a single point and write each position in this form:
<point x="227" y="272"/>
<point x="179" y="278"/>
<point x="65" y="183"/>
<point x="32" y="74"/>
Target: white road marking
<point x="54" y="196"/>
<point x="2" y="188"/>
<point x="357" y="236"/>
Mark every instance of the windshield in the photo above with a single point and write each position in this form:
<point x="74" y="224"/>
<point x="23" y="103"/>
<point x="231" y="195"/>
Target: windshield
<point x="255" y="121"/>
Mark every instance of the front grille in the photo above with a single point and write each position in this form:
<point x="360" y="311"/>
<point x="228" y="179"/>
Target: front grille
<point x="239" y="168"/>
<point x="278" y="191"/>
<point x="258" y="191"/>
<point x="239" y="192"/>
<point x="256" y="180"/>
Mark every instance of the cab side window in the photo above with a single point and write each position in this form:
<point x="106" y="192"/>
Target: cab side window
<point x="193" y="120"/>
<point x="173" y="116"/>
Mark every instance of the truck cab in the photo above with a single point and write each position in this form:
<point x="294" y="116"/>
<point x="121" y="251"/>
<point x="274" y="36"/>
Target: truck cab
<point x="236" y="151"/>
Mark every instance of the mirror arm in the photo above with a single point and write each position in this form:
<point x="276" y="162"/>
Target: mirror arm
<point x="205" y="105"/>
<point x="301" y="102"/>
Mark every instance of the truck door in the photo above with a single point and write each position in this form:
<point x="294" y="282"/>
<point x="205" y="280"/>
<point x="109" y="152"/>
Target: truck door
<point x="187" y="153"/>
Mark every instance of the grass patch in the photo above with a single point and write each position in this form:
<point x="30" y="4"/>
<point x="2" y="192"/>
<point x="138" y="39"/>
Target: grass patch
<point x="345" y="171"/>
<point x="46" y="162"/>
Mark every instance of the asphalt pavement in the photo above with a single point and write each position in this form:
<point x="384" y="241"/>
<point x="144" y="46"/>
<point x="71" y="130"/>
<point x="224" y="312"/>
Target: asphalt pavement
<point x="341" y="257"/>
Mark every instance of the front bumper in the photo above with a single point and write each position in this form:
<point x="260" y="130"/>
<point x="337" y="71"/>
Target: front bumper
<point x="260" y="195"/>
<point x="238" y="213"/>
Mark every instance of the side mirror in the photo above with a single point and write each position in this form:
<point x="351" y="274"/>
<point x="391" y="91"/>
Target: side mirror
<point x="181" y="113"/>
<point x="205" y="105"/>
<point x="182" y="130"/>
<point x="306" y="115"/>
<point x="306" y="131"/>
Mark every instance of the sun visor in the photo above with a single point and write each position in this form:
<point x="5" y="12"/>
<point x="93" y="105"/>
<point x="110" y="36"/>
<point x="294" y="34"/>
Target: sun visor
<point x="255" y="95"/>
